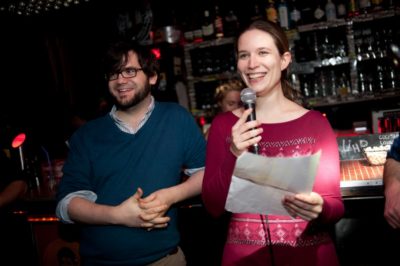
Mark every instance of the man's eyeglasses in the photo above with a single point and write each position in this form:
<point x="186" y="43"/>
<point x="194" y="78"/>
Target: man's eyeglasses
<point x="129" y="72"/>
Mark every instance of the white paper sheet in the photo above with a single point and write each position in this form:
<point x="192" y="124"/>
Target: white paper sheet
<point x="259" y="183"/>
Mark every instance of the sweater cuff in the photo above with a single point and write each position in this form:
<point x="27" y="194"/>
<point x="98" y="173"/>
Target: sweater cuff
<point x="62" y="206"/>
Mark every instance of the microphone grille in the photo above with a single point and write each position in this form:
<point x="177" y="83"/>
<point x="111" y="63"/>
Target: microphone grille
<point x="247" y="95"/>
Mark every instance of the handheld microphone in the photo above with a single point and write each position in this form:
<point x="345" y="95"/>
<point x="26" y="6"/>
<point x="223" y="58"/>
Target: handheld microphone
<point x="248" y="98"/>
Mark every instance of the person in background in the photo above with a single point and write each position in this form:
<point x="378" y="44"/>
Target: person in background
<point x="12" y="227"/>
<point x="12" y="184"/>
<point x="227" y="98"/>
<point x="283" y="129"/>
<point x="227" y="95"/>
<point x="122" y="176"/>
<point x="391" y="181"/>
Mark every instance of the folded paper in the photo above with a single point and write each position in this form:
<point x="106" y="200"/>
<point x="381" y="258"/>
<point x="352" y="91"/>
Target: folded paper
<point x="259" y="183"/>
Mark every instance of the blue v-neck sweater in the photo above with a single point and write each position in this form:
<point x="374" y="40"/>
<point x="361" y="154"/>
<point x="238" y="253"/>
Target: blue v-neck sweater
<point x="113" y="164"/>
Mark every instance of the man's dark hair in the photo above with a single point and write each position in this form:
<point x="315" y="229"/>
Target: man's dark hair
<point x="117" y="56"/>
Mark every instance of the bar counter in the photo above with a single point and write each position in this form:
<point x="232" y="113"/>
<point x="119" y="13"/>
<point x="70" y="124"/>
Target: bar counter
<point x="359" y="179"/>
<point x="362" y="236"/>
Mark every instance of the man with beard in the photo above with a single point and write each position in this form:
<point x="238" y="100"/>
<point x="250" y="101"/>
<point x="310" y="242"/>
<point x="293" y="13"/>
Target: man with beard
<point x="122" y="177"/>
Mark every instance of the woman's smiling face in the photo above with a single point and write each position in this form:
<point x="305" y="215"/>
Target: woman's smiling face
<point x="259" y="62"/>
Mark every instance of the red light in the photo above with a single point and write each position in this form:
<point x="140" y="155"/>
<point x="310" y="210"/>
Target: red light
<point x="156" y="52"/>
<point x="380" y="125"/>
<point x="202" y="121"/>
<point x="18" y="140"/>
<point x="151" y="35"/>
<point x="42" y="219"/>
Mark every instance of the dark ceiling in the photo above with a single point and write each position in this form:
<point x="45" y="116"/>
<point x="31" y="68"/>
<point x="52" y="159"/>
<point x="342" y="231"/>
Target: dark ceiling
<point x="36" y="7"/>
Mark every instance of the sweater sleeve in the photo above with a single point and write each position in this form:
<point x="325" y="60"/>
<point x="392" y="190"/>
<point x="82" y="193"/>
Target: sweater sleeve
<point x="394" y="151"/>
<point x="76" y="169"/>
<point x="327" y="182"/>
<point x="220" y="163"/>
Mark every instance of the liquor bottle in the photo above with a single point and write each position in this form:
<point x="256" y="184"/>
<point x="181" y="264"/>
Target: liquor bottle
<point x="393" y="80"/>
<point x="333" y="83"/>
<point x="307" y="14"/>
<point x="353" y="9"/>
<point x="197" y="29"/>
<point x="319" y="13"/>
<point x="306" y="89"/>
<point x="188" y="32"/>
<point x="283" y="14"/>
<point x="380" y="81"/>
<point x="30" y="174"/>
<point x="362" y="83"/>
<point x="295" y="82"/>
<point x="376" y="4"/>
<point x="323" y="84"/>
<point x="208" y="26"/>
<point x="341" y="10"/>
<point x="231" y="24"/>
<point x="316" y="88"/>
<point x="295" y="15"/>
<point x="330" y="11"/>
<point x="344" y="87"/>
<point x="256" y="13"/>
<point x="272" y="13"/>
<point x="218" y="23"/>
<point x="364" y="6"/>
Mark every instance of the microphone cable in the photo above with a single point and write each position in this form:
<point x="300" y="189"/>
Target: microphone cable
<point x="248" y="97"/>
<point x="268" y="232"/>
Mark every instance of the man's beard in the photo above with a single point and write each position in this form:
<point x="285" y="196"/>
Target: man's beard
<point x="140" y="96"/>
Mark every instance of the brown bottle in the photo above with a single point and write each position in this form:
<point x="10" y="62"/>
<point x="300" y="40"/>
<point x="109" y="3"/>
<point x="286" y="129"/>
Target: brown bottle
<point x="208" y="26"/>
<point x="353" y="9"/>
<point x="218" y="24"/>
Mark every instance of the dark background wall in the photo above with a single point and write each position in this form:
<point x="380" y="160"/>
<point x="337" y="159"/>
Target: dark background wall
<point x="50" y="62"/>
<point x="50" y="66"/>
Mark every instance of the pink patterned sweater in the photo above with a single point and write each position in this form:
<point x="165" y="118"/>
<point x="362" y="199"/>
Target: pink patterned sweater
<point x="294" y="241"/>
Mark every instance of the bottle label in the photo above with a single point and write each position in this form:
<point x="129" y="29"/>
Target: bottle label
<point x="188" y="35"/>
<point x="319" y="13"/>
<point x="208" y="30"/>
<point x="295" y="15"/>
<point x="341" y="9"/>
<point x="198" y="33"/>
<point x="330" y="12"/>
<point x="219" y="27"/>
<point x="283" y="17"/>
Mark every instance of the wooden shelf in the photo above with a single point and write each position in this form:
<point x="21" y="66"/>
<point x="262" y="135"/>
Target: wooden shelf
<point x="319" y="102"/>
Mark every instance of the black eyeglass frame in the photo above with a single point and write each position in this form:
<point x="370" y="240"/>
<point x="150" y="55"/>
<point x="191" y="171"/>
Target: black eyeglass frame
<point x="129" y="72"/>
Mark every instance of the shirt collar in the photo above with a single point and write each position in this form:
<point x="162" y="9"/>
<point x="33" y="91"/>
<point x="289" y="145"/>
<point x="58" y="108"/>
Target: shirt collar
<point x="128" y="128"/>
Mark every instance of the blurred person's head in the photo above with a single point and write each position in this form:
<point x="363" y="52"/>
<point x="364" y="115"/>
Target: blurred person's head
<point x="227" y="95"/>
